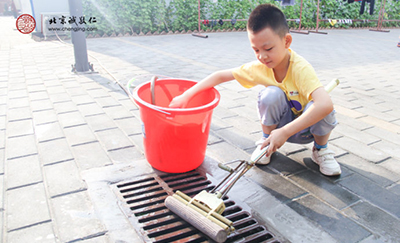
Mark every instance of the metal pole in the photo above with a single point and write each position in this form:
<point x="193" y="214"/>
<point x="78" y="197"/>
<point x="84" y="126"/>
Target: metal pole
<point x="380" y="19"/>
<point x="78" y="37"/>
<point x="316" y="30"/>
<point x="299" y="30"/>
<point x="198" y="20"/>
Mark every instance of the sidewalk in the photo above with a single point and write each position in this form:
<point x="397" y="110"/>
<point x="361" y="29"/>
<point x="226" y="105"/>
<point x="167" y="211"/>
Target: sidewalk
<point x="66" y="138"/>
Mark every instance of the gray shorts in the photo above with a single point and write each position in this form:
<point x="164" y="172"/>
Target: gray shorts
<point x="274" y="108"/>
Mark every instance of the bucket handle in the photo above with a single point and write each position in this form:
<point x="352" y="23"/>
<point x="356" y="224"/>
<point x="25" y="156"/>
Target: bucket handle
<point x="130" y="86"/>
<point x="152" y="89"/>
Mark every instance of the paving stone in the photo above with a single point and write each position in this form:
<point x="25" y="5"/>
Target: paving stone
<point x="48" y="131"/>
<point x="222" y="112"/>
<point x="107" y="101"/>
<point x="391" y="165"/>
<point x="244" y="124"/>
<point x="20" y="128"/>
<point x="55" y="90"/>
<point x="32" y="88"/>
<point x="71" y="84"/>
<point x="125" y="102"/>
<point x="45" y="116"/>
<point x="356" y="134"/>
<point x="76" y="91"/>
<point x="395" y="188"/>
<point x="137" y="139"/>
<point x="285" y="165"/>
<point x="3" y="109"/>
<point x="97" y="92"/>
<point x="2" y="160"/>
<point x="225" y="152"/>
<point x="19" y="113"/>
<point x="63" y="178"/>
<point x="372" y="193"/>
<point x="38" y="95"/>
<point x="117" y="112"/>
<point x="276" y="184"/>
<point x="129" y="125"/>
<point x="2" y="196"/>
<point x="98" y="239"/>
<point x="23" y="171"/>
<point x="90" y="155"/>
<point x="377" y="114"/>
<point x="54" y="151"/>
<point x="2" y="139"/>
<point x="113" y="139"/>
<point x="360" y="149"/>
<point x="378" y="174"/>
<point x="388" y="148"/>
<point x="75" y="217"/>
<point x="38" y="233"/>
<point x="71" y="119"/>
<point x="100" y="122"/>
<point x="59" y="97"/>
<point x="126" y="155"/>
<point x="383" y="225"/>
<point x="65" y="107"/>
<point x="90" y="109"/>
<point x="20" y="146"/>
<point x="15" y="94"/>
<point x="340" y="227"/>
<point x="348" y="112"/>
<point x="26" y="206"/>
<point x="82" y="99"/>
<point x="381" y="124"/>
<point x="18" y="102"/>
<point x="218" y="123"/>
<point x="236" y="137"/>
<point x="324" y="189"/>
<point x="39" y="105"/>
<point x="79" y="134"/>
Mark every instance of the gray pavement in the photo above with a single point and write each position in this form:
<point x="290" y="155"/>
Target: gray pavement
<point x="65" y="138"/>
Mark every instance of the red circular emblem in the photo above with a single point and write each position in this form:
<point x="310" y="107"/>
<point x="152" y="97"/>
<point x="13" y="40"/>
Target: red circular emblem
<point x="26" y="24"/>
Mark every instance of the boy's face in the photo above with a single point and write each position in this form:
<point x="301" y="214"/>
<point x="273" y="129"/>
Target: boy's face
<point x="270" y="48"/>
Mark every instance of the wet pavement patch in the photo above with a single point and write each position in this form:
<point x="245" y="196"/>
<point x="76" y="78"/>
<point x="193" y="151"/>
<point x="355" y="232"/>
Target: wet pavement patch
<point x="143" y="203"/>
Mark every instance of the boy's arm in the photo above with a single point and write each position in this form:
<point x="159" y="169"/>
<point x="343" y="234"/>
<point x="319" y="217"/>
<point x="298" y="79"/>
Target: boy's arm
<point x="322" y="107"/>
<point x="209" y="82"/>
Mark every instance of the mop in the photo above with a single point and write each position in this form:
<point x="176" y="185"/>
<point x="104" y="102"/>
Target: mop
<point x="204" y="211"/>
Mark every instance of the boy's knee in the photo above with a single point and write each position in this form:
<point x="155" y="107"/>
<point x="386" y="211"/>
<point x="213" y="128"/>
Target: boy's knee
<point x="271" y="95"/>
<point x="325" y="126"/>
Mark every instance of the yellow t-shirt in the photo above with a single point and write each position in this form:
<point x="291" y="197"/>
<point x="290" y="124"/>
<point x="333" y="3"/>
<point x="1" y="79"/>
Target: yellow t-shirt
<point x="300" y="80"/>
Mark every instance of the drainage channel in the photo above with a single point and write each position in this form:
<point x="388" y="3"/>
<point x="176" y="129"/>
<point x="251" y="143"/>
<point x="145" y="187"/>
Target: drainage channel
<point x="144" y="198"/>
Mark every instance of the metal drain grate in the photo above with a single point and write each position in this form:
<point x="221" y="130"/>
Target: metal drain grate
<point x="145" y="199"/>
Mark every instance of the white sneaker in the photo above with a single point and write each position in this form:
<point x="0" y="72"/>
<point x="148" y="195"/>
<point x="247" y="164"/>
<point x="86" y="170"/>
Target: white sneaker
<point x="326" y="161"/>
<point x="265" y="159"/>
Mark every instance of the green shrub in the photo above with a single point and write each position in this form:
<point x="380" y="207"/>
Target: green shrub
<point x="138" y="16"/>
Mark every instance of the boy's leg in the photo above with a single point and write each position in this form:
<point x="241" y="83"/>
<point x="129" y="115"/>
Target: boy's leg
<point x="321" y="154"/>
<point x="274" y="112"/>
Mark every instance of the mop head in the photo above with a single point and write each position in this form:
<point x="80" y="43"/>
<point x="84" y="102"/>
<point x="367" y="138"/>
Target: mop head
<point x="213" y="225"/>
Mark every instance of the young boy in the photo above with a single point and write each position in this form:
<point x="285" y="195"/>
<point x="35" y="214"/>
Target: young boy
<point x="294" y="106"/>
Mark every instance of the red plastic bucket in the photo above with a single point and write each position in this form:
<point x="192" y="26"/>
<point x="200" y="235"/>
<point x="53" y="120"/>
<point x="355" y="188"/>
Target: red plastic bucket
<point x="175" y="140"/>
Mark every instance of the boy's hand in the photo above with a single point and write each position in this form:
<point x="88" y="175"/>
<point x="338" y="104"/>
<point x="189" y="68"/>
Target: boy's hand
<point x="275" y="140"/>
<point x="179" y="102"/>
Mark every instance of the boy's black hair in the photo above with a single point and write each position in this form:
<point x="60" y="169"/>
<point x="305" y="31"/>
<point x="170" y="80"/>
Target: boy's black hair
<point x="268" y="16"/>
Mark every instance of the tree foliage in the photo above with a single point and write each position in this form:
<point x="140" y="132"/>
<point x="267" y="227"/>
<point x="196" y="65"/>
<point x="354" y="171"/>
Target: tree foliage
<point x="138" y="16"/>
